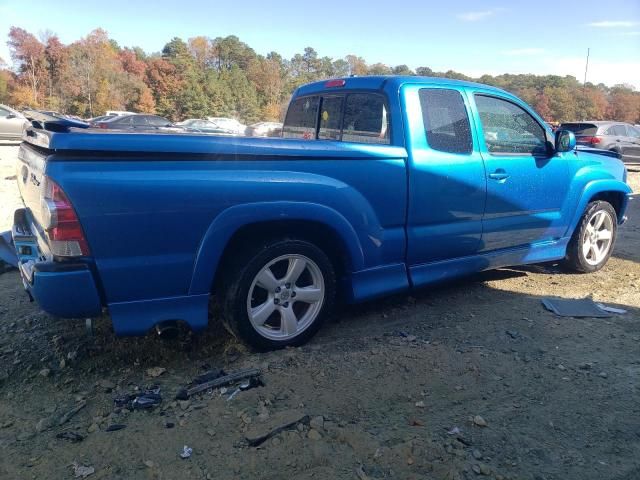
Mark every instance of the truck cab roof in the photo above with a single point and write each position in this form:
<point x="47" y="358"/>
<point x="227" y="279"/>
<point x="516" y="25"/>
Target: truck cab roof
<point x="391" y="82"/>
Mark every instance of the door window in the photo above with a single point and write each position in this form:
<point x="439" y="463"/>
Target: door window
<point x="633" y="132"/>
<point x="139" y="121"/>
<point x="301" y="119"/>
<point x="446" y="121"/>
<point x="4" y="113"/>
<point x="508" y="128"/>
<point x="157" y="121"/>
<point x="620" y="131"/>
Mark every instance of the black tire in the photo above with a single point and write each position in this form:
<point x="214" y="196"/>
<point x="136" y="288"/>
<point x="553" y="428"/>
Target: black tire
<point x="238" y="276"/>
<point x="576" y="259"/>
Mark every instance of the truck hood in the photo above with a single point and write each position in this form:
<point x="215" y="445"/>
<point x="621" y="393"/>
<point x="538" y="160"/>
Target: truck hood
<point x="598" y="151"/>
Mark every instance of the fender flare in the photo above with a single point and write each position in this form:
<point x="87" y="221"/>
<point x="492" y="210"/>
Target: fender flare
<point x="593" y="188"/>
<point x="228" y="222"/>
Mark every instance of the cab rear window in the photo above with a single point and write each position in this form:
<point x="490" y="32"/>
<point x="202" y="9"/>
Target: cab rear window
<point x="302" y="117"/>
<point x="352" y="117"/>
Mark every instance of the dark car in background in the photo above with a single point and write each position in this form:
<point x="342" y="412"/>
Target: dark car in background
<point x="622" y="138"/>
<point x="137" y="122"/>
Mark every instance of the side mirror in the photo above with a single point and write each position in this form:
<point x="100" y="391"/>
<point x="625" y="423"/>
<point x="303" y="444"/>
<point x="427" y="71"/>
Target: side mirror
<point x="11" y="115"/>
<point x="565" y="141"/>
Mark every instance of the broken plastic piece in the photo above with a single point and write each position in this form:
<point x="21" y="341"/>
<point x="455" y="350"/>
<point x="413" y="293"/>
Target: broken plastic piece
<point x="186" y="452"/>
<point x="619" y="311"/>
<point x="574" y="307"/>
<point x="115" y="427"/>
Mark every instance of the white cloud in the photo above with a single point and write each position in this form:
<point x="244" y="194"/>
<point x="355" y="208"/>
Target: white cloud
<point x="517" y="52"/>
<point x="629" y="34"/>
<point x="478" y="15"/>
<point x="613" y="24"/>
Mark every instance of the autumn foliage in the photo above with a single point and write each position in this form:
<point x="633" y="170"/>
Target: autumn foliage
<point x="225" y="77"/>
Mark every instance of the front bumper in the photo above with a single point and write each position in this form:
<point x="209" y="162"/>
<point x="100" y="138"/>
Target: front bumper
<point x="63" y="289"/>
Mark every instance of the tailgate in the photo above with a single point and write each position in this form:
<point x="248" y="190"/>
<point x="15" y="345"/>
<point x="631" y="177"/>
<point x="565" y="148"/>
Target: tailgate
<point x="30" y="175"/>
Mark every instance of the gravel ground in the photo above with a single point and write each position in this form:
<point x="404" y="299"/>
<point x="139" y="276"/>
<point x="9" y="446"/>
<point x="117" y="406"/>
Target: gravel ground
<point x="471" y="379"/>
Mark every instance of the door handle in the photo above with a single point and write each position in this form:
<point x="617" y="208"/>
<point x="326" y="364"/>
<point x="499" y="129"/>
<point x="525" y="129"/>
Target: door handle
<point x="499" y="175"/>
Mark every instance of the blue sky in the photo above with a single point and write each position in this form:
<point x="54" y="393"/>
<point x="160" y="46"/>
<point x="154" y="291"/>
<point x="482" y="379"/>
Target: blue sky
<point x="472" y="37"/>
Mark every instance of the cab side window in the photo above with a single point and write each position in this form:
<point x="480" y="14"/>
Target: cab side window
<point x="446" y="121"/>
<point x="508" y="128"/>
<point x="366" y="119"/>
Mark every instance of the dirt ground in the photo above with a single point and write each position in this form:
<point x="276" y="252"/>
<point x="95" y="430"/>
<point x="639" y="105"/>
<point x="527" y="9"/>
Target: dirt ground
<point x="471" y="379"/>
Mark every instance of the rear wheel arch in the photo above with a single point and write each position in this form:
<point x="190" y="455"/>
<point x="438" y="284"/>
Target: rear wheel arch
<point x="321" y="235"/>
<point x="327" y="227"/>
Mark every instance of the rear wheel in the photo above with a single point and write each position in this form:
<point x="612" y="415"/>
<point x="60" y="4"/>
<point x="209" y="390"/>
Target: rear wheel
<point x="278" y="294"/>
<point x="592" y="242"/>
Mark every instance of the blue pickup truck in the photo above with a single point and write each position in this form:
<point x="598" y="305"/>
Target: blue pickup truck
<point x="379" y="185"/>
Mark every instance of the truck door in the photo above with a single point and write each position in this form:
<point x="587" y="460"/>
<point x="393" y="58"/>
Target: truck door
<point x="446" y="178"/>
<point x="526" y="182"/>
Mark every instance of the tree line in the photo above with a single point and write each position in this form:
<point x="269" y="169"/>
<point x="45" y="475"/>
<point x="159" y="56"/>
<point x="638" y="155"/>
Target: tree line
<point x="224" y="76"/>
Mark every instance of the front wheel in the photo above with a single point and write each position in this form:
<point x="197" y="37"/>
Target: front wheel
<point x="592" y="242"/>
<point x="278" y="294"/>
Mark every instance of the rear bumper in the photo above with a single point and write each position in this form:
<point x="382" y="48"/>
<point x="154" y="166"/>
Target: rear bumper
<point x="62" y="289"/>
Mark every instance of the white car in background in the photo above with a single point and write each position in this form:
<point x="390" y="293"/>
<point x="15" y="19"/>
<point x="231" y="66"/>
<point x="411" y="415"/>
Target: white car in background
<point x="11" y="123"/>
<point x="264" y="129"/>
<point x="230" y="124"/>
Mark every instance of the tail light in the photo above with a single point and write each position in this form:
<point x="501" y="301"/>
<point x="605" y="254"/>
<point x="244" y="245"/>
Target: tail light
<point x="66" y="238"/>
<point x="591" y="140"/>
<point x="101" y="125"/>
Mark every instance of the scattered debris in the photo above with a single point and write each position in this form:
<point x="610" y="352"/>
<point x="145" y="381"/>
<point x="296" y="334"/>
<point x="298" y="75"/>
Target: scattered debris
<point x="67" y="416"/>
<point x="572" y="307"/>
<point x="82" y="471"/>
<point x="115" y="427"/>
<point x="420" y="404"/>
<point x="259" y="433"/>
<point x="186" y="452"/>
<point x="73" y="437"/>
<point x="454" y="431"/>
<point x="208" y="376"/>
<point x="156" y="371"/>
<point x="479" y="421"/>
<point x="149" y="398"/>
<point x="360" y="473"/>
<point x="228" y="379"/>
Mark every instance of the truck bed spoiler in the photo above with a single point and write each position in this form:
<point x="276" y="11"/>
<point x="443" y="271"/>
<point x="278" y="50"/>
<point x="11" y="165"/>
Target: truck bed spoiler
<point x="52" y="122"/>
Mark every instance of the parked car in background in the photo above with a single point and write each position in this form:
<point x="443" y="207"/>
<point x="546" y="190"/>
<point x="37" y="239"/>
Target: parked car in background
<point x="138" y="122"/>
<point x="622" y="138"/>
<point x="264" y="129"/>
<point x="118" y="112"/>
<point x="197" y="125"/>
<point x="230" y="124"/>
<point x="11" y="123"/>
<point x="100" y="118"/>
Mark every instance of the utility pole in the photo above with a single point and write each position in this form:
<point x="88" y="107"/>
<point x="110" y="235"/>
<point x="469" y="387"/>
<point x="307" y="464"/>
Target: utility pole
<point x="586" y="68"/>
<point x="584" y="84"/>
